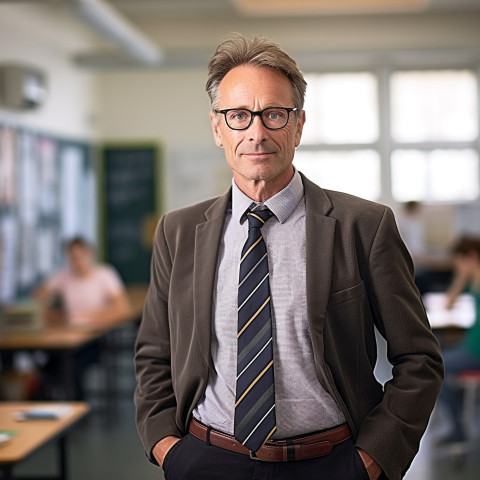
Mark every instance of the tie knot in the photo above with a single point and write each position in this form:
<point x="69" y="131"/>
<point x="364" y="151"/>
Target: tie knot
<point x="257" y="218"/>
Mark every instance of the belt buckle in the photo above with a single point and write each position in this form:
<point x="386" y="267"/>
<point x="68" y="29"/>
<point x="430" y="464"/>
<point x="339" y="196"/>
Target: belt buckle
<point x="253" y="456"/>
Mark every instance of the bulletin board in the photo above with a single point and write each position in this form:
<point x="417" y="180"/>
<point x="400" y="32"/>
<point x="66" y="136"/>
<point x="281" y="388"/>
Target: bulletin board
<point x="131" y="175"/>
<point x="47" y="196"/>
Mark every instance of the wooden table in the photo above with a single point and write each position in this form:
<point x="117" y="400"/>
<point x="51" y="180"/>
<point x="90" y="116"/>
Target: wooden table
<point x="30" y="435"/>
<point x="61" y="336"/>
<point x="66" y="340"/>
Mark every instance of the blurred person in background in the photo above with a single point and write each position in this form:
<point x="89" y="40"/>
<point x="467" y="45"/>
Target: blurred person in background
<point x="466" y="355"/>
<point x="89" y="294"/>
<point x="256" y="351"/>
<point x="412" y="228"/>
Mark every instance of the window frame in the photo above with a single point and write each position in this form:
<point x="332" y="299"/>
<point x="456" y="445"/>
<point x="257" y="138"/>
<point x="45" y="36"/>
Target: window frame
<point x="386" y="145"/>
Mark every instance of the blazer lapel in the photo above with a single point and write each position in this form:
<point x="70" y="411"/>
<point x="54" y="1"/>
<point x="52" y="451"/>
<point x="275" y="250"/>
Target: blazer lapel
<point x="320" y="234"/>
<point x="207" y="241"/>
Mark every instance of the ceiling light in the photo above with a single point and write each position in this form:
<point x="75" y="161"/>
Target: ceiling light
<point x="323" y="7"/>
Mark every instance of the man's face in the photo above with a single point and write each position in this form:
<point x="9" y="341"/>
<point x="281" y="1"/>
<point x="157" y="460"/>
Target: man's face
<point x="257" y="153"/>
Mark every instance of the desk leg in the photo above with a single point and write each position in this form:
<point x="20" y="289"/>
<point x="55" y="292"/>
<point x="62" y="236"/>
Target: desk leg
<point x="62" y="458"/>
<point x="6" y="472"/>
<point x="112" y="385"/>
<point x="68" y="375"/>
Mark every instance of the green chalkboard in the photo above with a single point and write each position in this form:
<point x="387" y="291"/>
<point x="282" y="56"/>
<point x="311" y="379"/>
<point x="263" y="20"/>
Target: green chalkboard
<point x="130" y="176"/>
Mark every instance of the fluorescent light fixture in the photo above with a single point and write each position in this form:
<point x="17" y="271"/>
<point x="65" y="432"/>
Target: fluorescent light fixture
<point x="108" y="22"/>
<point x="323" y="7"/>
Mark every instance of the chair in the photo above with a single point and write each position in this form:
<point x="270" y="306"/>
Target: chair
<point x="469" y="381"/>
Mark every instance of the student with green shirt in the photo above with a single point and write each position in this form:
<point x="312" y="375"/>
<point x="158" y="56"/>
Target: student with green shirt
<point x="466" y="355"/>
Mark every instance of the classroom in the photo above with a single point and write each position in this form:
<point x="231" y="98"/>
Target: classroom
<point x="106" y="126"/>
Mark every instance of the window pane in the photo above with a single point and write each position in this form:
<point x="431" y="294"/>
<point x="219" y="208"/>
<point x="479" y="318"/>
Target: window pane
<point x="434" y="106"/>
<point x="341" y="108"/>
<point x="435" y="175"/>
<point x="328" y="168"/>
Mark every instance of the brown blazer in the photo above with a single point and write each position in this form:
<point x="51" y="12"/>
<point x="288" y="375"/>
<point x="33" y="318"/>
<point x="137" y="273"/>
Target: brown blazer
<point x="359" y="275"/>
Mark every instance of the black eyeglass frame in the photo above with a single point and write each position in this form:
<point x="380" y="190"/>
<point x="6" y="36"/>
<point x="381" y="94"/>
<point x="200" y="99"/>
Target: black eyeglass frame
<point x="255" y="113"/>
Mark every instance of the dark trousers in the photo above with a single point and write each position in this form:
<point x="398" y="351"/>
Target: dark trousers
<point x="192" y="459"/>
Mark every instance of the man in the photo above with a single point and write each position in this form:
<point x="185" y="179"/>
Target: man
<point x="333" y="267"/>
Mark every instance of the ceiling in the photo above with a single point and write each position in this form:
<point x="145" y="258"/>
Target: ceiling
<point x="189" y="30"/>
<point x="241" y="9"/>
<point x="185" y="32"/>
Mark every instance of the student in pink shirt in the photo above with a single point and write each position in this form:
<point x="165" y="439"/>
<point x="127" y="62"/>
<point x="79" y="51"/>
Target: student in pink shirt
<point x="90" y="293"/>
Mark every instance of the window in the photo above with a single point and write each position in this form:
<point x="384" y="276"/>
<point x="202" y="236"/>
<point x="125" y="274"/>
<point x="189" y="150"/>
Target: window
<point x="341" y="108"/>
<point x="328" y="169"/>
<point x="434" y="126"/>
<point x="435" y="175"/>
<point x="394" y="135"/>
<point x="434" y="106"/>
<point x="342" y="112"/>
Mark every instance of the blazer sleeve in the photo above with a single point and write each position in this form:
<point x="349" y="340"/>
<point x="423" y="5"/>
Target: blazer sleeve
<point x="154" y="395"/>
<point x="392" y="431"/>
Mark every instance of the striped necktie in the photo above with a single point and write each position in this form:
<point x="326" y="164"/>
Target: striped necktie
<point x="255" y="396"/>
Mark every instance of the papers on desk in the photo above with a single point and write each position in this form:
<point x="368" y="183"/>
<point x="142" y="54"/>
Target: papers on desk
<point x="5" y="436"/>
<point x="461" y="315"/>
<point x="43" y="412"/>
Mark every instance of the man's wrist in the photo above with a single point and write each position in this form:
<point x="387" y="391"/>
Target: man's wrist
<point x="161" y="448"/>
<point x="372" y="467"/>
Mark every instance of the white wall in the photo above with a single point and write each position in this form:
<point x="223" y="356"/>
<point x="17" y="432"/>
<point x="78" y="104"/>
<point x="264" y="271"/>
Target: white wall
<point x="171" y="108"/>
<point x="30" y="36"/>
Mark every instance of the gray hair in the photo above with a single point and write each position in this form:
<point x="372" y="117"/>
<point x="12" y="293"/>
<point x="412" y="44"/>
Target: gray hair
<point x="256" y="51"/>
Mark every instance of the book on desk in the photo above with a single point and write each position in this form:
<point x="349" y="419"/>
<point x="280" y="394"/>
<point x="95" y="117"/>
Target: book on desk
<point x="24" y="316"/>
<point x="460" y="315"/>
<point x="43" y="412"/>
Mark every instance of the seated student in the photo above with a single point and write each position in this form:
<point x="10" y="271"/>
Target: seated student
<point x="466" y="355"/>
<point x="90" y="294"/>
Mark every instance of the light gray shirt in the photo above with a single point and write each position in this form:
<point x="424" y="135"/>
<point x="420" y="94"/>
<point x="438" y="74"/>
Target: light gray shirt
<point x="301" y="403"/>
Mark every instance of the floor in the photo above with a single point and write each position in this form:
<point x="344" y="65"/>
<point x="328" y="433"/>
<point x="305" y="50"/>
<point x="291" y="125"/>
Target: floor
<point x="106" y="445"/>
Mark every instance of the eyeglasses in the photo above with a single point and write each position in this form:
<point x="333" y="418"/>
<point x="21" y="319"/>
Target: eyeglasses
<point x="273" y="118"/>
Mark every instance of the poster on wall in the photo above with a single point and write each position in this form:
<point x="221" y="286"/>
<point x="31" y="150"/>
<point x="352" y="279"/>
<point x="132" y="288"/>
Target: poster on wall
<point x="48" y="235"/>
<point x="8" y="270"/>
<point x="71" y="161"/>
<point x="8" y="187"/>
<point x="27" y="209"/>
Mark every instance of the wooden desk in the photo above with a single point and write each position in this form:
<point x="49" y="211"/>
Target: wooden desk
<point x="66" y="340"/>
<point x="30" y="435"/>
<point x="50" y="338"/>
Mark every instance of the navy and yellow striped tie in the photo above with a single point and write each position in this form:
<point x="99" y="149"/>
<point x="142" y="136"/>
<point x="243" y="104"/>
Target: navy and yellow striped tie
<point x="255" y="396"/>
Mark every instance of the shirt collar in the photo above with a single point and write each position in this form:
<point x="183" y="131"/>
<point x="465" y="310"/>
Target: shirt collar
<point x="281" y="204"/>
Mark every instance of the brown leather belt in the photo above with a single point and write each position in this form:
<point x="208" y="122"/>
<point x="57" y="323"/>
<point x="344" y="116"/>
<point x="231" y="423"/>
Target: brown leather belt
<point x="310" y="446"/>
